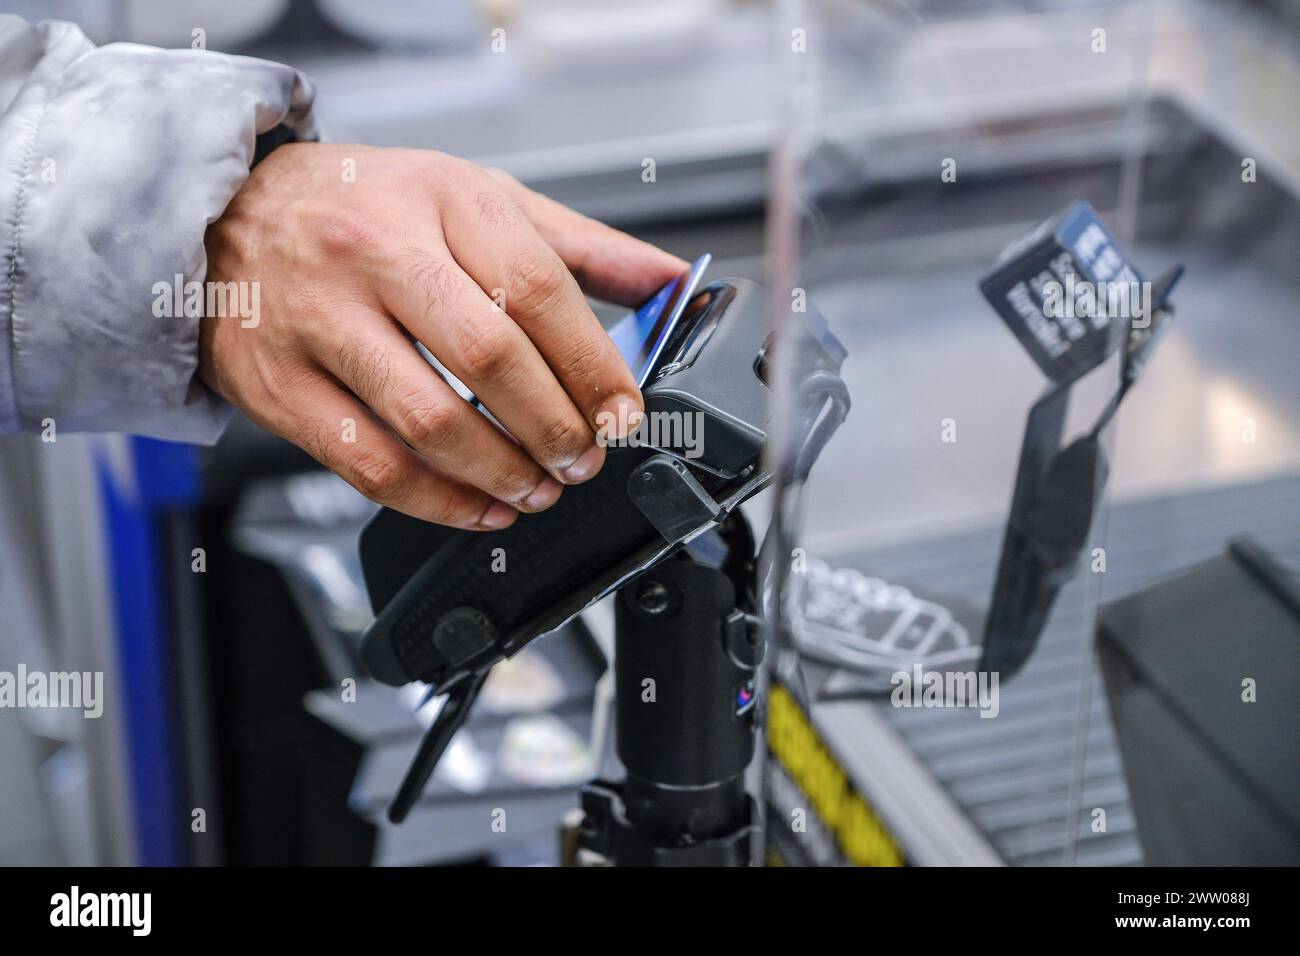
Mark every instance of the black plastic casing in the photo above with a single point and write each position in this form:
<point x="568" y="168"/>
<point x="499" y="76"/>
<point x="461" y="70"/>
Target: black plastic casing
<point x="533" y="576"/>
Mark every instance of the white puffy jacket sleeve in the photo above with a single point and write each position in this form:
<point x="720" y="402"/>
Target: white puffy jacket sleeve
<point x="113" y="161"/>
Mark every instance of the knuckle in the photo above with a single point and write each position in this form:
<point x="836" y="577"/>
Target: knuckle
<point x="582" y="360"/>
<point x="495" y="208"/>
<point x="379" y="476"/>
<point x="488" y="350"/>
<point x="514" y="481"/>
<point x="561" y="440"/>
<point x="533" y="280"/>
<point x="274" y="372"/>
<point x="441" y="173"/>
<point x="427" y="424"/>
<point x="344" y="231"/>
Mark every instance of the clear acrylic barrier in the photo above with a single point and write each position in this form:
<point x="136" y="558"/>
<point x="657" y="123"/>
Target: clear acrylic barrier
<point x="920" y="139"/>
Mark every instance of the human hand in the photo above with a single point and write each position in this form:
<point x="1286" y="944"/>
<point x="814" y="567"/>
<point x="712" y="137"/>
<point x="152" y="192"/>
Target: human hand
<point x="421" y="246"/>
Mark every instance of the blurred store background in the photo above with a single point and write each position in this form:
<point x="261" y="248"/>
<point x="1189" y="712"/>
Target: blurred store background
<point x="227" y="687"/>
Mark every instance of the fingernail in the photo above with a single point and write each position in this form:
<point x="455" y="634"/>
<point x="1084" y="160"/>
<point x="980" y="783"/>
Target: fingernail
<point x="618" y="416"/>
<point x="499" y="516"/>
<point x="587" y="465"/>
<point x="544" y="495"/>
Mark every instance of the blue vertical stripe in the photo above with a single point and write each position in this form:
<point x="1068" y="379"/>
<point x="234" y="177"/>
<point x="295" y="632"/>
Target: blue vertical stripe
<point x="165" y="476"/>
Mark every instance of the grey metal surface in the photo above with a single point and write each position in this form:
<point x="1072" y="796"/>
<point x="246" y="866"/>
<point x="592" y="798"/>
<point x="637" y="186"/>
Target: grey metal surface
<point x="1012" y="774"/>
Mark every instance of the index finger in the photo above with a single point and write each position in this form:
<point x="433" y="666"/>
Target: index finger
<point x="493" y="241"/>
<point x="607" y="264"/>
